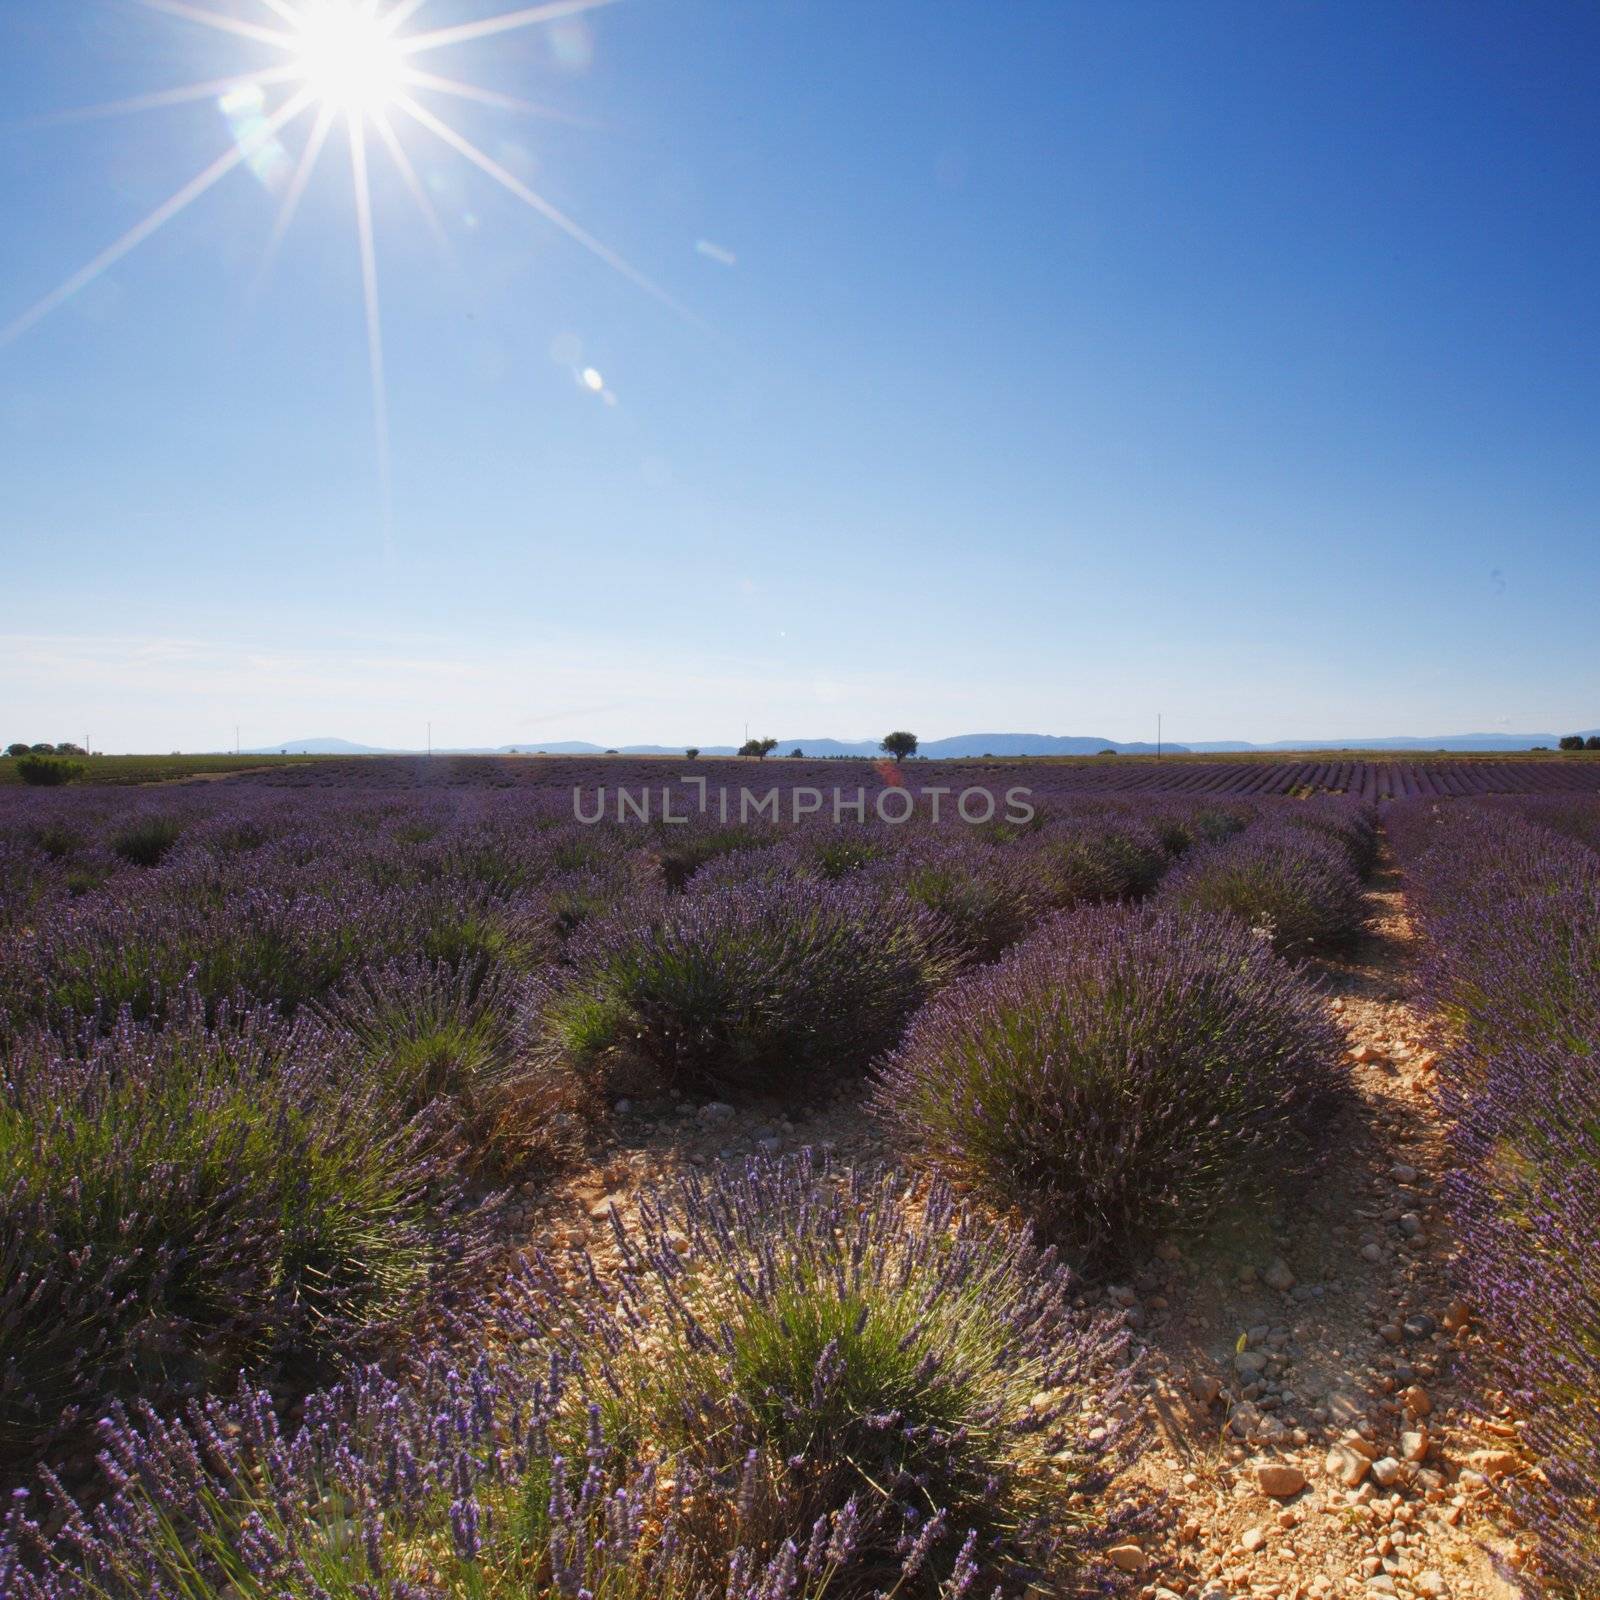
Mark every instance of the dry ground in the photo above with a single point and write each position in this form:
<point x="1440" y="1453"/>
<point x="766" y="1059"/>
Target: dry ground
<point x="1315" y="1345"/>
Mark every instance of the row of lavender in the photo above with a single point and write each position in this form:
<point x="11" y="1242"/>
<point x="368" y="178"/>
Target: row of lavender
<point x="1509" y="899"/>
<point x="264" y="1058"/>
<point x="1366" y="779"/>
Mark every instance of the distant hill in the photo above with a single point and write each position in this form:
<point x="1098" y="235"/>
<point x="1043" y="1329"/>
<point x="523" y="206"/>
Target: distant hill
<point x="1455" y="742"/>
<point x="961" y="746"/>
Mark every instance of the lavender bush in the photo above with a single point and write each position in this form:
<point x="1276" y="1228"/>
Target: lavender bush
<point x="1082" y="862"/>
<point x="1350" y="823"/>
<point x="761" y="988"/>
<point x="173" y="1204"/>
<point x="1511" y="920"/>
<point x="1122" y="1074"/>
<point x="873" y="1364"/>
<point x="849" y="1348"/>
<point x="984" y="896"/>
<point x="1297" y="888"/>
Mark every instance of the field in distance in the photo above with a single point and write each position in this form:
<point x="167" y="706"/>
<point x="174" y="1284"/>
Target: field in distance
<point x="160" y="769"/>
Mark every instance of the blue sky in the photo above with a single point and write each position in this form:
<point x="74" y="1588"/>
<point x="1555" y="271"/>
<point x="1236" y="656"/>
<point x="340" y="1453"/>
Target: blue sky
<point x="1048" y="365"/>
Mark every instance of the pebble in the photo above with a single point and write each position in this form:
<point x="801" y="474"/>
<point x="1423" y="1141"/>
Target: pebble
<point x="1252" y="1540"/>
<point x="1494" y="1463"/>
<point x="716" y="1111"/>
<point x="1386" y="1471"/>
<point x="1417" y="1401"/>
<point x="1204" y="1387"/>
<point x="1414" y="1445"/>
<point x="1128" y="1557"/>
<point x="1347" y="1465"/>
<point x="1278" y="1276"/>
<point x="1430" y="1583"/>
<point x="1280" y="1479"/>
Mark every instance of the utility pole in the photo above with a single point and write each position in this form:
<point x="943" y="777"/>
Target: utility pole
<point x="236" y="738"/>
<point x="1158" y="736"/>
<point x="430" y="741"/>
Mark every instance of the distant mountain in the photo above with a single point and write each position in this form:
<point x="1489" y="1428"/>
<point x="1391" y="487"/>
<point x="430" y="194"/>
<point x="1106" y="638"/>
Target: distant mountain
<point x="1455" y="742"/>
<point x="962" y="746"/>
<point x="1033" y="744"/>
<point x="319" y="747"/>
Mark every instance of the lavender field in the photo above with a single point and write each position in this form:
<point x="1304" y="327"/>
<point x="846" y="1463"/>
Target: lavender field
<point x="305" y="1071"/>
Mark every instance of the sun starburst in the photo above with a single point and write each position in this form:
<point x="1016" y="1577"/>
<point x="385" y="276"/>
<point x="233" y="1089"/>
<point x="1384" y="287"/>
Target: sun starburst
<point x="353" y="63"/>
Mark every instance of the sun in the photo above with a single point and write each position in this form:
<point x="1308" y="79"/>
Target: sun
<point x="347" y="57"/>
<point x="355" y="69"/>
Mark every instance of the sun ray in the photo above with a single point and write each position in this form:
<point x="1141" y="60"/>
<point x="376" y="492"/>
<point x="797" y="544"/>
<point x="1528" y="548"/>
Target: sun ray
<point x="408" y="173"/>
<point x="369" y="294"/>
<point x="402" y="13"/>
<point x="506" y="22"/>
<point x="537" y="202"/>
<point x="292" y="195"/>
<point x="283" y="9"/>
<point x="162" y="98"/>
<point x="491" y="97"/>
<point x="215" y="19"/>
<point x="158" y="218"/>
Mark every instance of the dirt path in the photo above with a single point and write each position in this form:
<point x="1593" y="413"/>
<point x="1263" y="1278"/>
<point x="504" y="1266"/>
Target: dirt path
<point x="1312" y="1352"/>
<point x="1319" y="1345"/>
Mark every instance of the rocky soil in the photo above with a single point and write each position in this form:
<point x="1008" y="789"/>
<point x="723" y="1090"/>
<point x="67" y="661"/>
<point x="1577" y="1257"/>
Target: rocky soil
<point x="1314" y="1429"/>
<point x="1318" y="1431"/>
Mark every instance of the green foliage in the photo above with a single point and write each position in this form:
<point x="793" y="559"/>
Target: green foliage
<point x="754" y="988"/>
<point x="1572" y="741"/>
<point x="870" y="1351"/>
<point x="1122" y="1074"/>
<point x="899" y="744"/>
<point x="179" y="1204"/>
<point x="47" y="772"/>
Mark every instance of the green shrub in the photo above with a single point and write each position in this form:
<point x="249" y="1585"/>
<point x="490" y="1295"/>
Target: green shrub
<point x="47" y="772"/>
